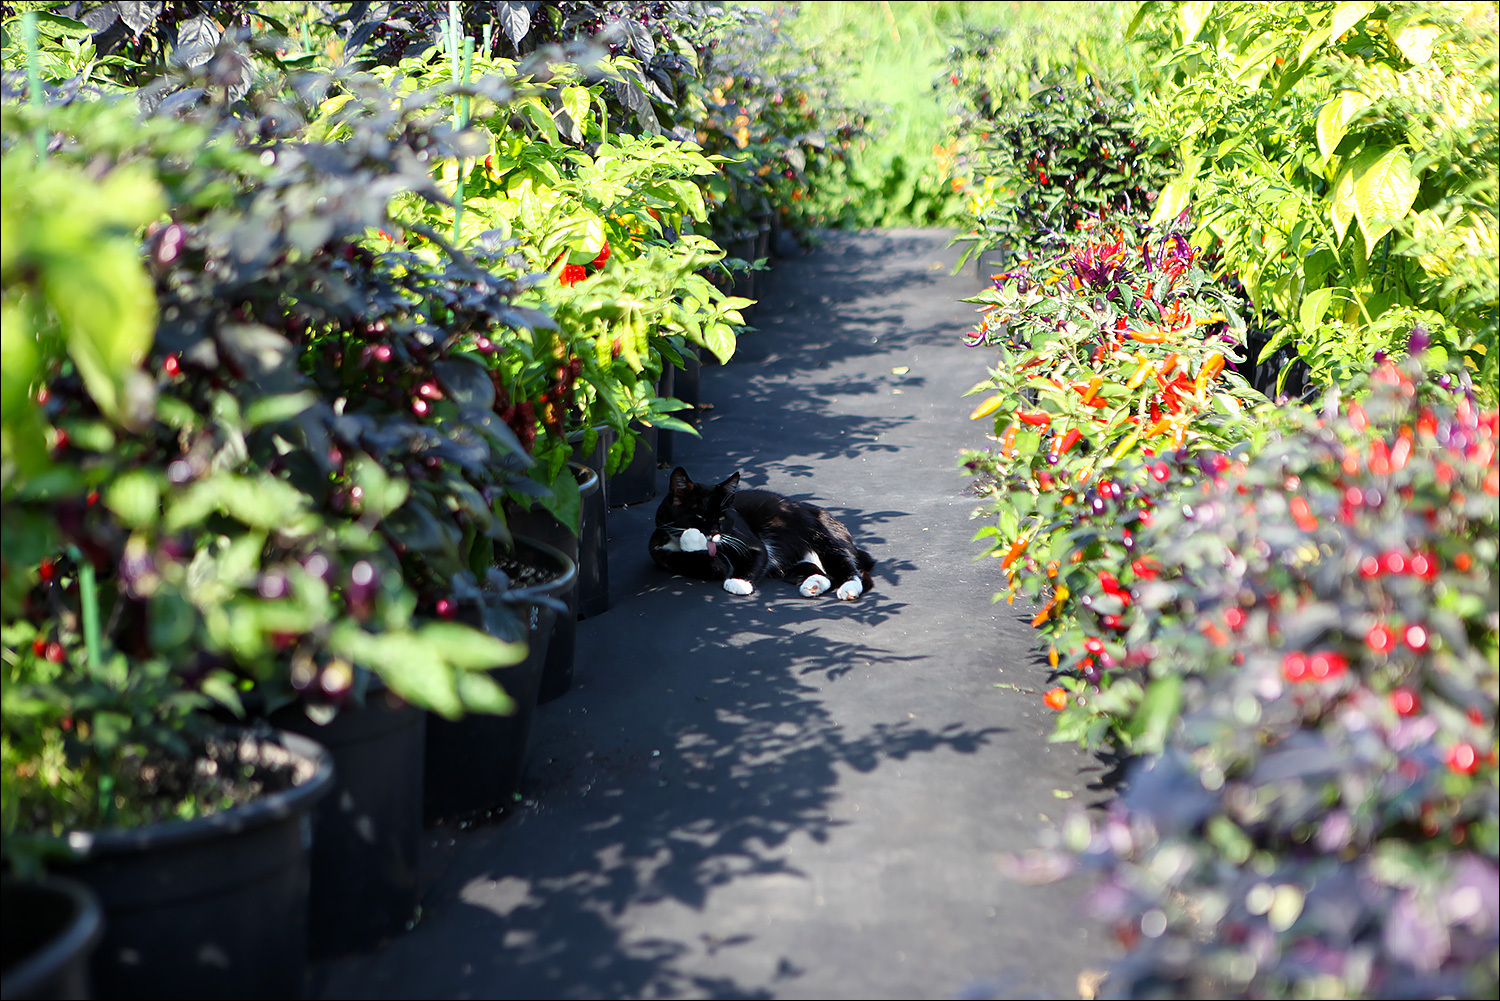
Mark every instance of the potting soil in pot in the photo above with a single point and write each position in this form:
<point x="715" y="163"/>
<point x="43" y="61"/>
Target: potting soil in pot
<point x="215" y="906"/>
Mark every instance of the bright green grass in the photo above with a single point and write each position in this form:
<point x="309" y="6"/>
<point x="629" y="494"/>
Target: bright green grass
<point x="894" y="54"/>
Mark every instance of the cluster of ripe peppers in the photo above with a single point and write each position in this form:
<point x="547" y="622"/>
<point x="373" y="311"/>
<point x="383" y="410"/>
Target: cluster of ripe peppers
<point x="1170" y="407"/>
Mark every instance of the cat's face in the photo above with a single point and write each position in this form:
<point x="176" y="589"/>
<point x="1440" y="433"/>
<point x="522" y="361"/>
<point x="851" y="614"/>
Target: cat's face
<point x="693" y="505"/>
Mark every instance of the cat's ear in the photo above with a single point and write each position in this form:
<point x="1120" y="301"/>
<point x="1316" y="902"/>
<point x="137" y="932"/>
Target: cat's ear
<point x="729" y="486"/>
<point x="680" y="482"/>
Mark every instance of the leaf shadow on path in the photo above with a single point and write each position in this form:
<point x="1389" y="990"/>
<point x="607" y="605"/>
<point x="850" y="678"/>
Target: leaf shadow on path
<point x="688" y="764"/>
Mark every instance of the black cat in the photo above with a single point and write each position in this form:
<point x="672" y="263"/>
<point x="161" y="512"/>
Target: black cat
<point x="738" y="536"/>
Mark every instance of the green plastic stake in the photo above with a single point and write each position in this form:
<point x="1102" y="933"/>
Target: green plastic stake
<point x="33" y="76"/>
<point x="88" y="601"/>
<point x="461" y="120"/>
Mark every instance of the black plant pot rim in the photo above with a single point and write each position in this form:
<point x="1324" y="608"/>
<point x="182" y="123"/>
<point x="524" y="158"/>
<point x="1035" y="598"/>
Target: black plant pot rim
<point x="587" y="476"/>
<point x="576" y="435"/>
<point x="77" y="937"/>
<point x="262" y="812"/>
<point x="558" y="583"/>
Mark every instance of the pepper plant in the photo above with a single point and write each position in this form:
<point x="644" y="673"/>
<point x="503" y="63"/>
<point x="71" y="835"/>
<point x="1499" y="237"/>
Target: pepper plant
<point x="612" y="224"/>
<point x="1340" y="157"/>
<point x="1325" y="814"/>
<point x="1066" y="153"/>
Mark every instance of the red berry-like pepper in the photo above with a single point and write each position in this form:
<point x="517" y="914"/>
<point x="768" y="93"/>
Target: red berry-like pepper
<point x="1405" y="702"/>
<point x="1380" y="638"/>
<point x="1463" y="758"/>
<point x="1056" y="699"/>
<point x="572" y="274"/>
<point x="599" y="261"/>
<point x="1415" y="637"/>
<point x="1327" y="664"/>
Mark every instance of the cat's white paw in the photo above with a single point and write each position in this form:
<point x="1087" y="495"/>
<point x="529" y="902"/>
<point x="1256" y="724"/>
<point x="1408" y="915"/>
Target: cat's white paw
<point x="692" y="541"/>
<point x="736" y="586"/>
<point x="815" y="585"/>
<point x="850" y="589"/>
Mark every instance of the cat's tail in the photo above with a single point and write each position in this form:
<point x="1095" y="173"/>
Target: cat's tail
<point x="866" y="563"/>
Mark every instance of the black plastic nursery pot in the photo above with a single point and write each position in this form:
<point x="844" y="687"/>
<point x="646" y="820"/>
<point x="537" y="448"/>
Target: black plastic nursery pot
<point x="666" y="387"/>
<point x="636" y="483"/>
<point x="214" y="907"/>
<point x="593" y="539"/>
<point x="476" y="763"/>
<point x="367" y="834"/>
<point x="557" y="672"/>
<point x="685" y="380"/>
<point x="762" y="235"/>
<point x="746" y="283"/>
<point x="48" y="929"/>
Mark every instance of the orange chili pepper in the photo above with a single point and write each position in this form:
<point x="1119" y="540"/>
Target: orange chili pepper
<point x="1036" y="418"/>
<point x="1093" y="389"/>
<point x="1149" y="336"/>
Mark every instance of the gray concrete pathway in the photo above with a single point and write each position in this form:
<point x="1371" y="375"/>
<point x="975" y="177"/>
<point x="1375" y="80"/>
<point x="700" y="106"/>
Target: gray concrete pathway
<point x="776" y="797"/>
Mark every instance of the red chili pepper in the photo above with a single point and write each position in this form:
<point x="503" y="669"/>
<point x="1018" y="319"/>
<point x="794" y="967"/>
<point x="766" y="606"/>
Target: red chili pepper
<point x="1069" y="440"/>
<point x="1036" y="418"/>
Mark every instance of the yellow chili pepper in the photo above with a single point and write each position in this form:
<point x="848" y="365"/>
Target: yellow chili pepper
<point x="1139" y="375"/>
<point x="987" y="407"/>
<point x="1125" y="444"/>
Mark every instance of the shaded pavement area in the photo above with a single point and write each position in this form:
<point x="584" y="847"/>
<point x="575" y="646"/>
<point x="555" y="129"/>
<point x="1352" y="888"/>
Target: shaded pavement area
<point x="778" y="797"/>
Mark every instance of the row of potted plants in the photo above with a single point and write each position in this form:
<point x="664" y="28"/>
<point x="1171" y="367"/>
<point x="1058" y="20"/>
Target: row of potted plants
<point x="1285" y="612"/>
<point x="290" y="356"/>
